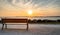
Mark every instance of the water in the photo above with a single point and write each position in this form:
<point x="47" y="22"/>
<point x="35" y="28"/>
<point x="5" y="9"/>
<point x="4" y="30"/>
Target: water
<point x="48" y="17"/>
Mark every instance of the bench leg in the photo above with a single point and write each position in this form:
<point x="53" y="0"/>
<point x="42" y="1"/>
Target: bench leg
<point x="5" y="26"/>
<point x="2" y="26"/>
<point x="27" y="27"/>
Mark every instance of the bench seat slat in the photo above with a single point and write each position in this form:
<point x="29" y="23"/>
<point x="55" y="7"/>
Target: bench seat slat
<point x="14" y="20"/>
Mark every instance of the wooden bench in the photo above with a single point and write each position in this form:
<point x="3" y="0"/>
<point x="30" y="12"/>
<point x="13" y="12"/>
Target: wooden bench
<point x="5" y="21"/>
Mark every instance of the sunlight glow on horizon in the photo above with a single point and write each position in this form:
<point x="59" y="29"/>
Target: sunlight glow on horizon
<point x="30" y="12"/>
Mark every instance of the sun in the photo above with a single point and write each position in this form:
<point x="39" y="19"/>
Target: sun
<point x="29" y="12"/>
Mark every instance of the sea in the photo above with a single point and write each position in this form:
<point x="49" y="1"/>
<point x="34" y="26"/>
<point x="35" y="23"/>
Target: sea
<point x="34" y="17"/>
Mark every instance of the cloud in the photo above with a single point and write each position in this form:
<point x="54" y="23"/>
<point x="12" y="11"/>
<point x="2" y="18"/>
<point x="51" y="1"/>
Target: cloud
<point x="38" y="6"/>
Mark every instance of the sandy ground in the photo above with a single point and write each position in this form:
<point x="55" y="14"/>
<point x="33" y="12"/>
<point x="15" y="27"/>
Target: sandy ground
<point x="34" y="29"/>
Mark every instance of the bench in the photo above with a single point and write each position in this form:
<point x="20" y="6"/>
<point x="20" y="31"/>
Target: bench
<point x="5" y="21"/>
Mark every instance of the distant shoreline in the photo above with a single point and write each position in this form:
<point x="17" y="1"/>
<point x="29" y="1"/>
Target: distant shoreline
<point x="35" y="17"/>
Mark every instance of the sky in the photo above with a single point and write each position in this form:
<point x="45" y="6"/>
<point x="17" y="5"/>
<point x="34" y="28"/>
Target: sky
<point x="21" y="7"/>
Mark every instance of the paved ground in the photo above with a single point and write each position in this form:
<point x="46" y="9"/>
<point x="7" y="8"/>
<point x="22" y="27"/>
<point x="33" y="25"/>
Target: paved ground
<point x="34" y="30"/>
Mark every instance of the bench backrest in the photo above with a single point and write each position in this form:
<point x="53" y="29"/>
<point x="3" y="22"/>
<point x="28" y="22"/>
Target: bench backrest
<point x="15" y="20"/>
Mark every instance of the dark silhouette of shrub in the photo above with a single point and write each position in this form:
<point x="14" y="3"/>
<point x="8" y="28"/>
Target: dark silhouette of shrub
<point x="34" y="21"/>
<point x="29" y="21"/>
<point x="51" y="21"/>
<point x="44" y="21"/>
<point x="0" y="21"/>
<point x="39" y="21"/>
<point x="48" y="21"/>
<point x="58" y="20"/>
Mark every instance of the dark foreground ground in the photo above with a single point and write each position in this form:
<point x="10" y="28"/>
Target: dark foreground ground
<point x="34" y="30"/>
